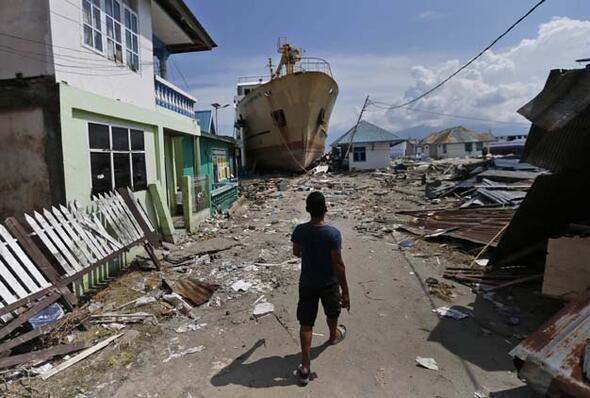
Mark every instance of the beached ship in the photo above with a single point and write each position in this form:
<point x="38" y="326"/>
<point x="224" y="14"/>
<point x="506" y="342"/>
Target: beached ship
<point x="282" y="119"/>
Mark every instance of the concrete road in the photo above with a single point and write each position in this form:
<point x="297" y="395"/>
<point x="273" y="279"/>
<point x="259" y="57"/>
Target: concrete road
<point x="390" y="323"/>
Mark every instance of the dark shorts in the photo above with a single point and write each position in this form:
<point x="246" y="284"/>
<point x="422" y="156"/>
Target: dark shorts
<point x="307" y="308"/>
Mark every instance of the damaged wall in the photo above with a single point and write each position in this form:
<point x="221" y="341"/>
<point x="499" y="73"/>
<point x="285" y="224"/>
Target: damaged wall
<point x="31" y="167"/>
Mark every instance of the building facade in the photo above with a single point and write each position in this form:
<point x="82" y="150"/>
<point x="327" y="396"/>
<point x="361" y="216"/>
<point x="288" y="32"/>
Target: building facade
<point x="365" y="147"/>
<point x="455" y="142"/>
<point x="86" y="107"/>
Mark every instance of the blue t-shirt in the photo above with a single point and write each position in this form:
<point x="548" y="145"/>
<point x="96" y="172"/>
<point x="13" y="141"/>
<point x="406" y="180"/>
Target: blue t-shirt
<point x="317" y="243"/>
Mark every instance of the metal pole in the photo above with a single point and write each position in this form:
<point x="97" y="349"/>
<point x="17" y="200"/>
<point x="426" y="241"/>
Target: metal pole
<point x="354" y="129"/>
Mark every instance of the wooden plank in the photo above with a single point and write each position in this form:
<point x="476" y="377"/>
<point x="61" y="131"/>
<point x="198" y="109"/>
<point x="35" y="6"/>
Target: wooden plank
<point x="123" y="206"/>
<point x="140" y="209"/>
<point x="84" y="354"/>
<point x="139" y="214"/>
<point x="49" y="245"/>
<point x="88" y="223"/>
<point x="101" y="230"/>
<point x="121" y="231"/>
<point x="518" y="281"/>
<point x="28" y="336"/>
<point x="61" y="234"/>
<point x="23" y="258"/>
<point x="58" y="241"/>
<point x="12" y="282"/>
<point x="74" y="229"/>
<point x="15" y="268"/>
<point x="124" y="221"/>
<point x="42" y="355"/>
<point x="37" y="257"/>
<point x="31" y="312"/>
<point x="566" y="268"/>
<point x="6" y="295"/>
<point x="26" y="301"/>
<point x="90" y="238"/>
<point x="69" y="231"/>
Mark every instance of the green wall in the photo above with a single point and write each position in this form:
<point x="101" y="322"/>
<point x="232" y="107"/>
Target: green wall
<point x="207" y="145"/>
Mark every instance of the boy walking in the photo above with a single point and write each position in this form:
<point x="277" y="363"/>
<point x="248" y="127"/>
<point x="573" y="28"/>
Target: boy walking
<point x="322" y="277"/>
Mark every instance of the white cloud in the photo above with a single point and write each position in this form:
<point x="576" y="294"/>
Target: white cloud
<point x="498" y="83"/>
<point x="430" y="15"/>
<point x="494" y="87"/>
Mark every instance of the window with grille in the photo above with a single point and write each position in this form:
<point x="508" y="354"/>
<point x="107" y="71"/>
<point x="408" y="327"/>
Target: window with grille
<point x="468" y="146"/>
<point x="117" y="158"/>
<point x="92" y="24"/>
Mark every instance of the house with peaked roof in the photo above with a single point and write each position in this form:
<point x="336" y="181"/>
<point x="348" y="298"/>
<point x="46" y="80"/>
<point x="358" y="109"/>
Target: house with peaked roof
<point x="366" y="147"/>
<point x="455" y="142"/>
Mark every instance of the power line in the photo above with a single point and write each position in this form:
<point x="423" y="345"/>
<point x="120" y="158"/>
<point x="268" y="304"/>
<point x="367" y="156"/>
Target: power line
<point x="377" y="105"/>
<point x="186" y="86"/>
<point x="443" y="82"/>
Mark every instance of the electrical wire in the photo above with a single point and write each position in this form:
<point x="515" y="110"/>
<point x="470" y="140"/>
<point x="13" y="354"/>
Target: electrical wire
<point x="452" y="75"/>
<point x="376" y="104"/>
<point x="186" y="86"/>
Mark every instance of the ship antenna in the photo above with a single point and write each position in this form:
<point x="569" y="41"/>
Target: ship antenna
<point x="270" y="67"/>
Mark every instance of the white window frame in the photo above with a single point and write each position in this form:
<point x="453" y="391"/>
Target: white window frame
<point x="127" y="53"/>
<point x="361" y="150"/>
<point x="128" y="30"/>
<point x="95" y="6"/>
<point x="112" y="152"/>
<point x="116" y="23"/>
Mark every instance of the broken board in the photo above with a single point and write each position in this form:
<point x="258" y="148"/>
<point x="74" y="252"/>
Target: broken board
<point x="566" y="269"/>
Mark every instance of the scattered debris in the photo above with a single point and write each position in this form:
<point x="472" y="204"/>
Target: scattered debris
<point x="241" y="286"/>
<point x="193" y="290"/>
<point x="184" y="352"/>
<point x="450" y="312"/>
<point x="83" y="355"/>
<point x="262" y="309"/>
<point x="428" y="363"/>
<point x="118" y="318"/>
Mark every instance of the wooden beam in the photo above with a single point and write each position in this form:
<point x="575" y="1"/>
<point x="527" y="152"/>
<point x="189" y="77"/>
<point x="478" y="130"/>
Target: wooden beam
<point x="36" y="255"/>
<point x="42" y="355"/>
<point x="31" y="312"/>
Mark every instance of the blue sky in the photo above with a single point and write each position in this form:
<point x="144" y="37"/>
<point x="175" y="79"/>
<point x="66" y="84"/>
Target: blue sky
<point x="393" y="50"/>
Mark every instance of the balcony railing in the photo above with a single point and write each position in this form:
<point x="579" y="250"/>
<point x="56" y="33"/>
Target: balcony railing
<point x="171" y="97"/>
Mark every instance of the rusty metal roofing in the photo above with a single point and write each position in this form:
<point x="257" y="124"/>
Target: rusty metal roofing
<point x="478" y="225"/>
<point x="552" y="203"/>
<point x="551" y="358"/>
<point x="559" y="139"/>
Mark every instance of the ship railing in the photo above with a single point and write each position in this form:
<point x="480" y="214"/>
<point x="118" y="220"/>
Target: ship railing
<point x="171" y="97"/>
<point x="254" y="79"/>
<point x="313" y="64"/>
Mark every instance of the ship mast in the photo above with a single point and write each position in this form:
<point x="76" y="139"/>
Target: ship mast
<point x="289" y="57"/>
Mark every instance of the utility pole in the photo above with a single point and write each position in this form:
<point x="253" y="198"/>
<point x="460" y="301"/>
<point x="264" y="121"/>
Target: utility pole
<point x="355" y="127"/>
<point x="217" y="106"/>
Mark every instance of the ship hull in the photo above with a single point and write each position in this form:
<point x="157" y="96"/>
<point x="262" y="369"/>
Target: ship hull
<point x="286" y="121"/>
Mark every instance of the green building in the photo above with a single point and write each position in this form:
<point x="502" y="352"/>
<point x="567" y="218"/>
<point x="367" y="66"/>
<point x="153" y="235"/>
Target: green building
<point x="100" y="114"/>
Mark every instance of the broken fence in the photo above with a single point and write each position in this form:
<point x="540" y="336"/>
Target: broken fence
<point x="58" y="247"/>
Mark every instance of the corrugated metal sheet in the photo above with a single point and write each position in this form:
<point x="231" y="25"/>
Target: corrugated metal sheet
<point x="478" y="225"/>
<point x="559" y="138"/>
<point x="553" y="202"/>
<point x="551" y="358"/>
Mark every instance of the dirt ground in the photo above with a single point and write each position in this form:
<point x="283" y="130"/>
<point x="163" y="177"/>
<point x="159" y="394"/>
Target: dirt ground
<point x="390" y="323"/>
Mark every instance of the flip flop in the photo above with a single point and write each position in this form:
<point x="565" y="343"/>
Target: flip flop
<point x="302" y="377"/>
<point x="342" y="330"/>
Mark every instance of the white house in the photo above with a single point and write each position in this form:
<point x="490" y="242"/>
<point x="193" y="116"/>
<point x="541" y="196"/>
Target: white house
<point x="368" y="146"/>
<point x="455" y="142"/>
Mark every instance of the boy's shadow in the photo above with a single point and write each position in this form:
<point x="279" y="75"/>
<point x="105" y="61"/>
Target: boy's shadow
<point x="275" y="371"/>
